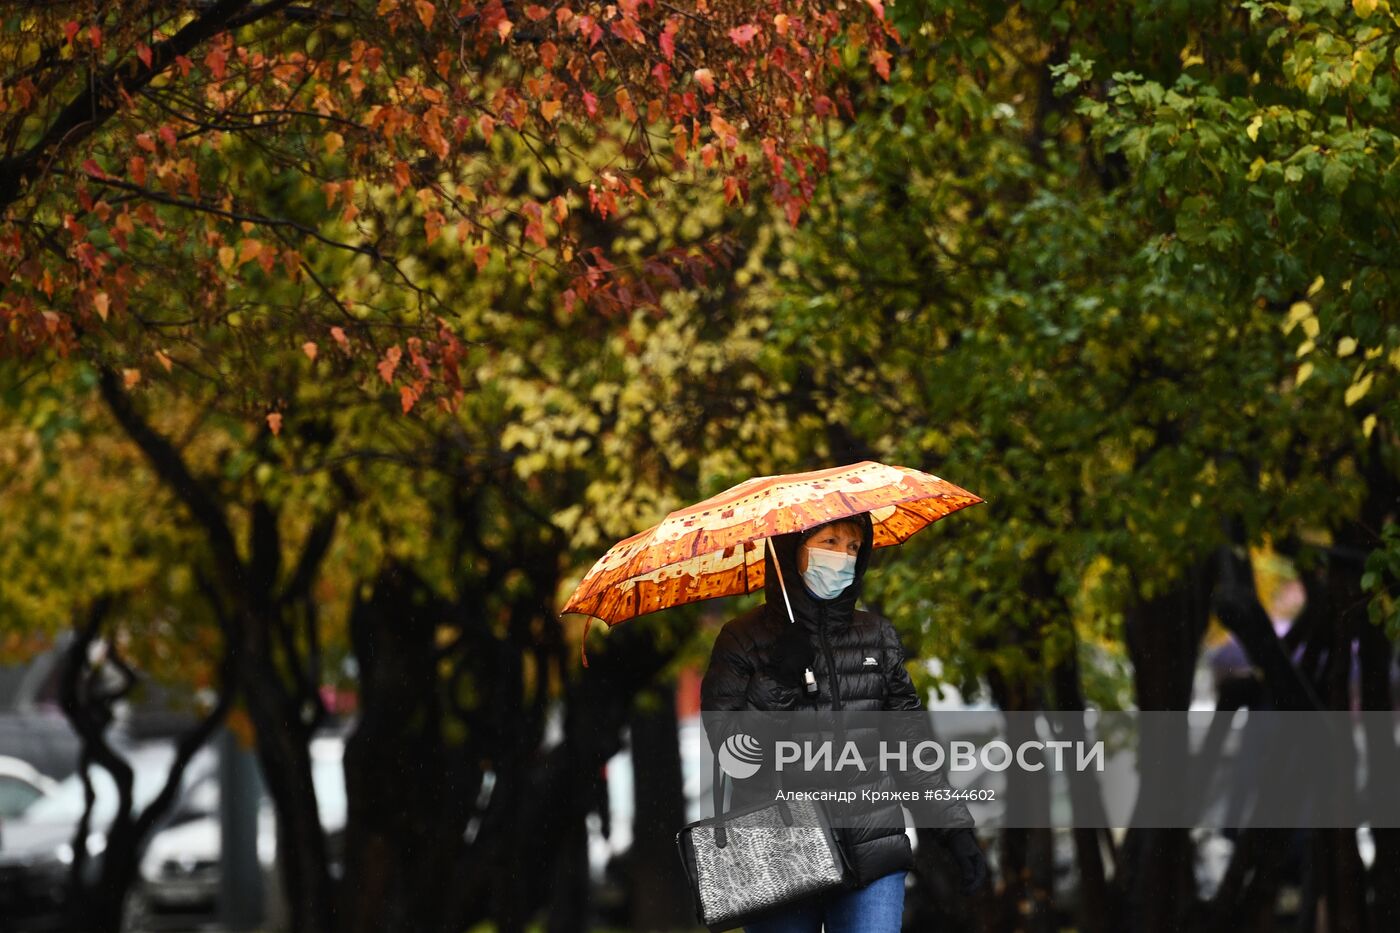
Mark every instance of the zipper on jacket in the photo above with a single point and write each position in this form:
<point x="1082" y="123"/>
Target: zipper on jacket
<point x="830" y="661"/>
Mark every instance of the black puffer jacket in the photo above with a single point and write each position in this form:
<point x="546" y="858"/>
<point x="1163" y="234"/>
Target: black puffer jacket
<point x="739" y="679"/>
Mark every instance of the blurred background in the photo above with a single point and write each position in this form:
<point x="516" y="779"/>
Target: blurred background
<point x="296" y="470"/>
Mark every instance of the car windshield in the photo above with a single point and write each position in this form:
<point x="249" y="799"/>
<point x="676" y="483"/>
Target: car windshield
<point x="150" y="767"/>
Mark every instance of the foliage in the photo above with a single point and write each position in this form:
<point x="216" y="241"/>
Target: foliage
<point x="162" y="167"/>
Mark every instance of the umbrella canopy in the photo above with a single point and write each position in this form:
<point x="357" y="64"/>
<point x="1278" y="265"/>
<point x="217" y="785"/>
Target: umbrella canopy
<point x="715" y="547"/>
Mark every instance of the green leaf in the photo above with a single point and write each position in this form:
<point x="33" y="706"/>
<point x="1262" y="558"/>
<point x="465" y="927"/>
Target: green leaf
<point x="1336" y="175"/>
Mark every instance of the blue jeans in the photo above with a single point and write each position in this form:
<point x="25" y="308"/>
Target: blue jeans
<point x="876" y="908"/>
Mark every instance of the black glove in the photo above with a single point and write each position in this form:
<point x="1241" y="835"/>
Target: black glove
<point x="972" y="864"/>
<point x="790" y="656"/>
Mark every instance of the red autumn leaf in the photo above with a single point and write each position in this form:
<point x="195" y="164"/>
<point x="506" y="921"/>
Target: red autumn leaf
<point x="92" y="168"/>
<point x="338" y="335"/>
<point x="432" y="226"/>
<point x="731" y="189"/>
<point x="216" y="61"/>
<point x="878" y="7"/>
<point x="274" y="422"/>
<point x="705" y="79"/>
<point x="668" y="38"/>
<point x="390" y="363"/>
<point x="70" y="29"/>
<point x="743" y="35"/>
<point x="881" y="59"/>
<point x="143" y="52"/>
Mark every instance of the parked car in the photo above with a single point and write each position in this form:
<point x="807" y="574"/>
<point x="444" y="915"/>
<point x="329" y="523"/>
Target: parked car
<point x="36" y="848"/>
<point x="42" y="738"/>
<point x="20" y="785"/>
<point x="180" y="877"/>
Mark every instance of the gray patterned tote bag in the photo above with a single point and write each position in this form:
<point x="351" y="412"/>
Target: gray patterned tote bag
<point x="749" y="863"/>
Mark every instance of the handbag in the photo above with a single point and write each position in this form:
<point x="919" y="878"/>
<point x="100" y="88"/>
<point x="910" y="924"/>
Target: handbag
<point x="749" y="863"/>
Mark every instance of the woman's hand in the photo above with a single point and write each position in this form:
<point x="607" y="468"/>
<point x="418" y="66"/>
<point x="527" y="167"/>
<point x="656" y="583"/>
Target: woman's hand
<point x="972" y="864"/>
<point x="765" y="692"/>
<point x="790" y="657"/>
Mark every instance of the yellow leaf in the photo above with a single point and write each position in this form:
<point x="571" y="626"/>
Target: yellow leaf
<point x="549" y="109"/>
<point x="1311" y="327"/>
<point x="1304" y="349"/>
<point x="1300" y="310"/>
<point x="1363" y="8"/>
<point x="1316" y="286"/>
<point x="1252" y="131"/>
<point x="1346" y="347"/>
<point x="1304" y="372"/>
<point x="1368" y="425"/>
<point x="334" y="142"/>
<point x="226" y="257"/>
<point x="1358" y="391"/>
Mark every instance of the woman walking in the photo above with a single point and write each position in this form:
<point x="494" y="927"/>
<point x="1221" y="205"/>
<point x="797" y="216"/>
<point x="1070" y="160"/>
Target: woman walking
<point x="763" y="661"/>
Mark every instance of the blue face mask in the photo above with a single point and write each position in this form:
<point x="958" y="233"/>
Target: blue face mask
<point x="828" y="573"/>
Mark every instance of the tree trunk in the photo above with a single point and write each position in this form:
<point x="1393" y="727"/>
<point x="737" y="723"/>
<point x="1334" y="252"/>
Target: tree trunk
<point x="1164" y="637"/>
<point x="283" y="753"/>
<point x="1094" y="908"/>
<point x="405" y="824"/>
<point x="660" y="894"/>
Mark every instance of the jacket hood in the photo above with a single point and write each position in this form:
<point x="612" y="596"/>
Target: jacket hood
<point x="805" y="606"/>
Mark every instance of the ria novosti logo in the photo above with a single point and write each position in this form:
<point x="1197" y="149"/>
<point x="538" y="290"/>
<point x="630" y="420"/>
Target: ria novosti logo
<point x="740" y="756"/>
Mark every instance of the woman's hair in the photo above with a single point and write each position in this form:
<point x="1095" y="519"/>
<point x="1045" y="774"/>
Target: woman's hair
<point x="850" y="523"/>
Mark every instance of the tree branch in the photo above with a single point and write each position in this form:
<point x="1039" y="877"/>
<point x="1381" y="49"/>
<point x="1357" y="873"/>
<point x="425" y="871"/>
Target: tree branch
<point x="176" y="474"/>
<point x="100" y="97"/>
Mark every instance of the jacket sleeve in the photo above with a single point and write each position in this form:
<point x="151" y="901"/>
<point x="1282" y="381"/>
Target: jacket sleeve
<point x="900" y="696"/>
<point x="724" y="687"/>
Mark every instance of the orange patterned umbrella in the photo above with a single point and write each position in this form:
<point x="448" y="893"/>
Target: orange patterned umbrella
<point x="715" y="547"/>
